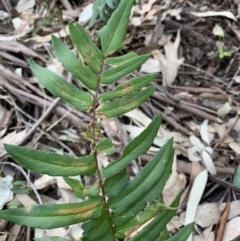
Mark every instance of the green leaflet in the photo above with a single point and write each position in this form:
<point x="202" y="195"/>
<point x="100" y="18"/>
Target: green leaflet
<point x="120" y="59"/>
<point x="112" y="74"/>
<point x="182" y="234"/>
<point x="134" y="149"/>
<point x="115" y="184"/>
<point x="105" y="145"/>
<point x="52" y="163"/>
<point x="101" y="11"/>
<point x="55" y="215"/>
<point x="112" y="34"/>
<point x="51" y="239"/>
<point x="81" y="191"/>
<point x="112" y="3"/>
<point x="91" y="54"/>
<point x="151" y="195"/>
<point x="61" y="88"/>
<point x="139" y="219"/>
<point x="236" y="178"/>
<point x="71" y="63"/>
<point x="155" y="227"/>
<point x="164" y="235"/>
<point x="143" y="182"/>
<point x="130" y="87"/>
<point x="123" y="105"/>
<point x="98" y="230"/>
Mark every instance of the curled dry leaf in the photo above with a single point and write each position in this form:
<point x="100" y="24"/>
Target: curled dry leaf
<point x="86" y="14"/>
<point x="12" y="138"/>
<point x="232" y="230"/>
<point x="224" y="110"/>
<point x="151" y="66"/>
<point x="24" y="5"/>
<point x="199" y="152"/>
<point x="204" y="132"/>
<point x="44" y="181"/>
<point x="235" y="147"/>
<point x="170" y="62"/>
<point x="5" y="190"/>
<point x="218" y="31"/>
<point x="226" y="14"/>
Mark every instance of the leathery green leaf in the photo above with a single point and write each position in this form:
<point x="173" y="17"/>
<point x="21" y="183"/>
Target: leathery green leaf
<point x="105" y="145"/>
<point x="155" y="227"/>
<point x="55" y="238"/>
<point x="123" y="105"/>
<point x="98" y="229"/>
<point x="71" y="63"/>
<point x="112" y="74"/>
<point x="81" y="191"/>
<point x="55" y="215"/>
<point x="130" y="87"/>
<point x="127" y="228"/>
<point x="153" y="192"/>
<point x="52" y="163"/>
<point x="61" y="88"/>
<point x="143" y="182"/>
<point x="134" y="149"/>
<point x="120" y="59"/>
<point x="183" y="233"/>
<point x="115" y="184"/>
<point x="164" y="235"/>
<point x="113" y="33"/>
<point x="91" y="54"/>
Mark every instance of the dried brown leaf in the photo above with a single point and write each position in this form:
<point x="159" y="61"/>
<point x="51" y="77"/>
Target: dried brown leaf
<point x="170" y="62"/>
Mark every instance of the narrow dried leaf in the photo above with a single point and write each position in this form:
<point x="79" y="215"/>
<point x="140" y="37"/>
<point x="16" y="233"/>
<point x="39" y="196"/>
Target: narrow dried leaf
<point x="197" y="143"/>
<point x="204" y="132"/>
<point x="226" y="14"/>
<point x="208" y="162"/>
<point x="223" y="220"/>
<point x="195" y="197"/>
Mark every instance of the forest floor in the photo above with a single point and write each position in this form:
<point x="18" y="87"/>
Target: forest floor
<point x="194" y="46"/>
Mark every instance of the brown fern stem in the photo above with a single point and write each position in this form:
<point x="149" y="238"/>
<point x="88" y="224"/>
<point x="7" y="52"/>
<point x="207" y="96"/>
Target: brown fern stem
<point x="94" y="144"/>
